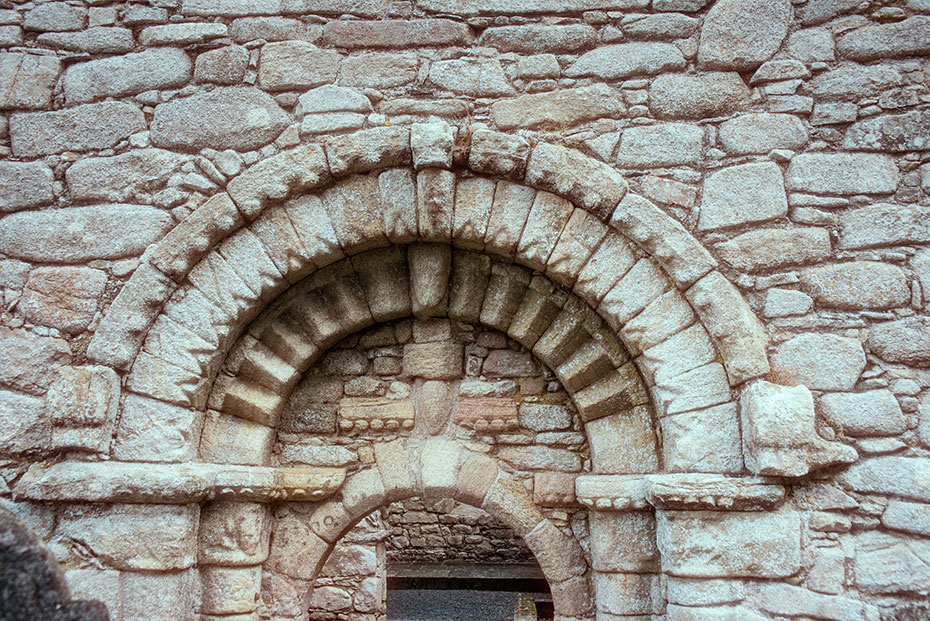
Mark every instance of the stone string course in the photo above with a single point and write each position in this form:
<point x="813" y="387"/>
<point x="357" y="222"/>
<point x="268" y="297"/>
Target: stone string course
<point x="644" y="281"/>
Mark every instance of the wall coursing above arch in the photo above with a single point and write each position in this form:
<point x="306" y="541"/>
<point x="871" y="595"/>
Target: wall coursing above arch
<point x="754" y="174"/>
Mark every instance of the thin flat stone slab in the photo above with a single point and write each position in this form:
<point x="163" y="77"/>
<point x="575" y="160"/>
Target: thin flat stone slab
<point x="82" y="128"/>
<point x="678" y="492"/>
<point x="113" y="481"/>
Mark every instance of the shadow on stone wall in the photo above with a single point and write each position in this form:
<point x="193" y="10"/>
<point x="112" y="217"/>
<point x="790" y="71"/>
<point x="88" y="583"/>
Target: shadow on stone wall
<point x="32" y="586"/>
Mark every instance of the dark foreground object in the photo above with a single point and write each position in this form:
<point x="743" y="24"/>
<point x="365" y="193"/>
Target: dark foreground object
<point x="450" y="605"/>
<point x="32" y="587"/>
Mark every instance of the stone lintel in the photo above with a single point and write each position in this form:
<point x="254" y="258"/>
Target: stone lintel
<point x="679" y="492"/>
<point x="138" y="482"/>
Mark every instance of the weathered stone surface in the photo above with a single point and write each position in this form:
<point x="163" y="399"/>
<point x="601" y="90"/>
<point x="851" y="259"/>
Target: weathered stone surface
<point x="152" y="430"/>
<point x="181" y="34"/>
<point x="842" y="173"/>
<point x="136" y="537"/>
<point x="431" y="144"/>
<point x="497" y="153"/>
<point x="884" y="224"/>
<point x="471" y="76"/>
<point x="225" y="65"/>
<point x="786" y="302"/>
<point x="245" y="29"/>
<point x="697" y="96"/>
<point x="24" y="185"/>
<point x="369" y="149"/>
<point x="379" y="69"/>
<point x="886" y="564"/>
<point x="241" y="118"/>
<point x="27" y="80"/>
<point x="82" y="405"/>
<point x="63" y="297"/>
<point x="666" y="144"/>
<point x="742" y="34"/>
<point x="761" y="133"/>
<point x="301" y="168"/>
<point x="909" y="517"/>
<point x="364" y="8"/>
<point x="230" y="589"/>
<point x="741" y="194"/>
<point x="857" y="285"/>
<point x="765" y="545"/>
<point x="818" y="11"/>
<point x="233" y="533"/>
<point x="331" y="98"/>
<point x="82" y="128"/>
<point x="55" y="16"/>
<point x="613" y="62"/>
<point x="628" y="594"/>
<point x="892" y="475"/>
<point x="870" y="413"/>
<point x="126" y="75"/>
<point x="434" y="360"/>
<point x="541" y="458"/>
<point x="97" y="40"/>
<point x="78" y="234"/>
<point x="667" y="26"/>
<point x="526" y="6"/>
<point x="623" y="442"/>
<point x="819" y="361"/>
<point x="705" y="440"/>
<point x="561" y="108"/>
<point x="296" y="64"/>
<point x="904" y="340"/>
<point x="851" y="82"/>
<point x="26" y="428"/>
<point x="811" y="45"/>
<point x="587" y="182"/>
<point x="121" y="177"/>
<point x="769" y="248"/>
<point x="898" y="132"/>
<point x="910" y="37"/>
<point x="785" y="599"/>
<point x="396" y="33"/>
<point x="534" y="39"/>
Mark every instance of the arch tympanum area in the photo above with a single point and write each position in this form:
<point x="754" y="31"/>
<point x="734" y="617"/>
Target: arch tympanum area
<point x="652" y="345"/>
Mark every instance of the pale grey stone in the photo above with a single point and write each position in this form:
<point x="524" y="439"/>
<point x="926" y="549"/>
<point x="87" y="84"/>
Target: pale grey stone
<point x="789" y="600"/>
<point x="909" y="517"/>
<point x="24" y="185"/>
<point x="272" y="28"/>
<point x="741" y="194"/>
<point x="884" y="224"/>
<point x="679" y="5"/>
<point x="544" y="416"/>
<point x="225" y="65"/>
<point x="97" y="40"/>
<point x="27" y="80"/>
<point x="786" y="302"/>
<point x="328" y="122"/>
<point x="331" y="98"/>
<point x="121" y="177"/>
<point x="778" y="71"/>
<point x="905" y="340"/>
<point x="55" y="16"/>
<point x="612" y="62"/>
<point x="819" y="361"/>
<point x="779" y="438"/>
<point x="181" y="34"/>
<point x="28" y="361"/>
<point x="870" y="413"/>
<point x="832" y="113"/>
<point x="535" y="39"/>
<point x="691" y="592"/>
<point x="126" y="75"/>
<point x="811" y="45"/>
<point x="379" y="69"/>
<point x="25" y="426"/>
<point x="851" y="82"/>
<point x="154" y="431"/>
<point x="762" y="132"/>
<point x="232" y="8"/>
<point x="742" y="34"/>
<point x="697" y="96"/>
<point x="857" y="285"/>
<point x="312" y="455"/>
<point x="910" y="37"/>
<point x="296" y="64"/>
<point x="842" y="173"/>
<point x="476" y="7"/>
<point x="920" y="262"/>
<point x="139" y="14"/>
<point x="539" y="66"/>
<point x="665" y="144"/>
<point x="770" y="248"/>
<point x="905" y="477"/>
<point x="79" y="234"/>
<point x="11" y="35"/>
<point x="240" y="118"/>
<point x="818" y="11"/>
<point x="703" y="440"/>
<point x="477" y="77"/>
<point x="758" y="544"/>
<point x="896" y="133"/>
<point x="568" y="107"/>
<point x="541" y="458"/>
<point x="91" y="126"/>
<point x="624" y="442"/>
<point x="662" y="26"/>
<point x="63" y="297"/>
<point x="889" y="564"/>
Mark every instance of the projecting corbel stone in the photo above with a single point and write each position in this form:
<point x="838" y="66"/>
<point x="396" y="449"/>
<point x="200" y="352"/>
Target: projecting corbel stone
<point x="779" y="437"/>
<point x="678" y="492"/>
<point x="136" y="482"/>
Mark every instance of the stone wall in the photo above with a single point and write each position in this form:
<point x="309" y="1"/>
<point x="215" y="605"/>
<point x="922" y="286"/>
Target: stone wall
<point x="705" y="224"/>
